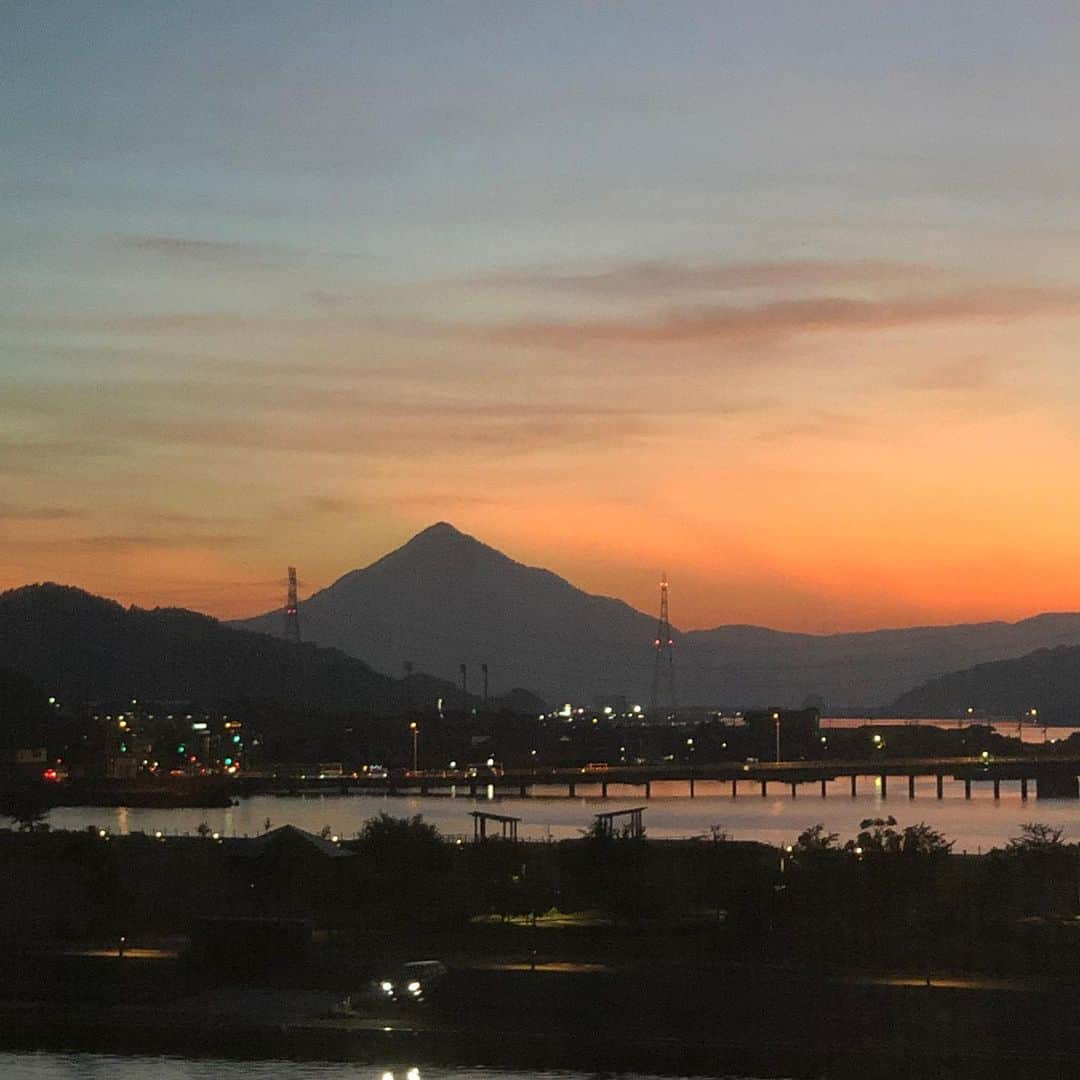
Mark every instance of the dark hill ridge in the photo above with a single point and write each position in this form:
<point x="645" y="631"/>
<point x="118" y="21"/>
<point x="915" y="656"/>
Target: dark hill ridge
<point x="868" y="669"/>
<point x="1048" y="680"/>
<point x="82" y="647"/>
<point x="445" y="598"/>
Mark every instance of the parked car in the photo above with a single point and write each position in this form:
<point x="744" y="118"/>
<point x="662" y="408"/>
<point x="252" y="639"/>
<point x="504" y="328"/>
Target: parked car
<point x="412" y="983"/>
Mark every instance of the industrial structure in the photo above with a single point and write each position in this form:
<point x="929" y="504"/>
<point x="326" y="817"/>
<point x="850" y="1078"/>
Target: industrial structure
<point x="663" y="680"/>
<point x="292" y="610"/>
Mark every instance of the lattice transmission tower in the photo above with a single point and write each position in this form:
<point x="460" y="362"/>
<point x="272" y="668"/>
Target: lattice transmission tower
<point x="292" y="610"/>
<point x="664" y="662"/>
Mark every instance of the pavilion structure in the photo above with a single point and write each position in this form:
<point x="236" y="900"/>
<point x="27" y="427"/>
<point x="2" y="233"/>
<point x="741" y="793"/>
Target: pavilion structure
<point x="507" y="826"/>
<point x="631" y="827"/>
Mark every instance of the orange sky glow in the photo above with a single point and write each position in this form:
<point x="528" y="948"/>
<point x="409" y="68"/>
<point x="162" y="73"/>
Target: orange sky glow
<point x="784" y="306"/>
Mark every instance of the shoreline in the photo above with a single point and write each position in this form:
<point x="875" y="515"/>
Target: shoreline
<point x="675" y="1022"/>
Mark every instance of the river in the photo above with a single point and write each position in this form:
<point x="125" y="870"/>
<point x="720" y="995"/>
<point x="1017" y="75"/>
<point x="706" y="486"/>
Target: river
<point x="78" y="1066"/>
<point x="975" y="825"/>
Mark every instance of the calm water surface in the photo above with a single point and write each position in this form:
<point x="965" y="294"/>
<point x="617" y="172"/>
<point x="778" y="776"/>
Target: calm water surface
<point x="978" y="824"/>
<point x="52" y="1066"/>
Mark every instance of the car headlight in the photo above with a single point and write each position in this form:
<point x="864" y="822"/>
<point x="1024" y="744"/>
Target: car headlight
<point x="387" y="986"/>
<point x="414" y="987"/>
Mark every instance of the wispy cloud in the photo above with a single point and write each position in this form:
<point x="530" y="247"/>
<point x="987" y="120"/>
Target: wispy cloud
<point x="787" y="318"/>
<point x="180" y="247"/>
<point x="13" y="512"/>
<point x="661" y="277"/>
<point x="320" y="505"/>
<point x="969" y="374"/>
<point x="218" y="251"/>
<point x="118" y="543"/>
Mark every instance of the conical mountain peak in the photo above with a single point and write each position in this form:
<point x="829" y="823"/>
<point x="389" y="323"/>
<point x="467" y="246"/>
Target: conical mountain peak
<point x="442" y="533"/>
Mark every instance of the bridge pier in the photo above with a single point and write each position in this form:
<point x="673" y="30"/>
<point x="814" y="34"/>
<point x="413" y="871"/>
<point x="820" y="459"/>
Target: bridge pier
<point x="967" y="789"/>
<point x="940" y="786"/>
<point x="823" y="783"/>
<point x="911" y="787"/>
<point x="1023" y="789"/>
<point x="853" y="779"/>
<point x="1056" y="784"/>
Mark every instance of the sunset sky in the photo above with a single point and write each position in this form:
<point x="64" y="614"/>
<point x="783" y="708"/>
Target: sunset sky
<point x="783" y="298"/>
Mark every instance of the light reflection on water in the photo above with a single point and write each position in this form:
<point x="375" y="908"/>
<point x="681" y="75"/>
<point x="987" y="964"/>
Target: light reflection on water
<point x="77" y="1066"/>
<point x="976" y="824"/>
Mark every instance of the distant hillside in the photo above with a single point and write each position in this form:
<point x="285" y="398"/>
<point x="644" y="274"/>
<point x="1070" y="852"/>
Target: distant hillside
<point x="444" y="598"/>
<point x="868" y="669"/>
<point x="1048" y="680"/>
<point x="81" y="647"/>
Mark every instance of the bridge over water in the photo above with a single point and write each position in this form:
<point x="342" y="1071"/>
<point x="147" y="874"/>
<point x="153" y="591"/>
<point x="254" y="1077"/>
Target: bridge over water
<point x="1053" y="777"/>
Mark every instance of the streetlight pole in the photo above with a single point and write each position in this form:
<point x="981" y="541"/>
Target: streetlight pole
<point x="415" y="735"/>
<point x="776" y="721"/>
<point x="1033" y="713"/>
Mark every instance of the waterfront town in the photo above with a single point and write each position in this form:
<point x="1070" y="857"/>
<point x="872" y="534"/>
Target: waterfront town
<point x="148" y="930"/>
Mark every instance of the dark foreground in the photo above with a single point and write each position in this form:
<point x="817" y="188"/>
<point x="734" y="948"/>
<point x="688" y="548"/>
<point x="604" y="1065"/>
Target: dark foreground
<point x="669" y="1019"/>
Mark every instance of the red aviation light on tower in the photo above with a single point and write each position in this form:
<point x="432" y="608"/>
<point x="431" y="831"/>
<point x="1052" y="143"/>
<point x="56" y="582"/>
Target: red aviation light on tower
<point x="292" y="609"/>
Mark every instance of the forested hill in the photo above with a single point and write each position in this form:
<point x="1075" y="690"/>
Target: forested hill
<point x="80" y="647"/>
<point x="1047" y="680"/>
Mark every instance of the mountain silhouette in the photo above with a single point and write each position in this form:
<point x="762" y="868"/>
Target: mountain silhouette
<point x="1047" y="680"/>
<point x="445" y="598"/>
<point x="82" y="648"/>
<point x="869" y="669"/>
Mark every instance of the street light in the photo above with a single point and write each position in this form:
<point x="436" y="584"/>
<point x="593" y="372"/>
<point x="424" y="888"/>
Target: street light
<point x="776" y="721"/>
<point x="1034" y="714"/>
<point x="415" y="736"/>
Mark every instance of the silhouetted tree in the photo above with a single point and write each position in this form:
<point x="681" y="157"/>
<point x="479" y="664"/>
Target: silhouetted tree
<point x="815" y="839"/>
<point x="1036" y="838"/>
<point x="880" y="836"/>
<point x="409" y="858"/>
<point x="27" y="802"/>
